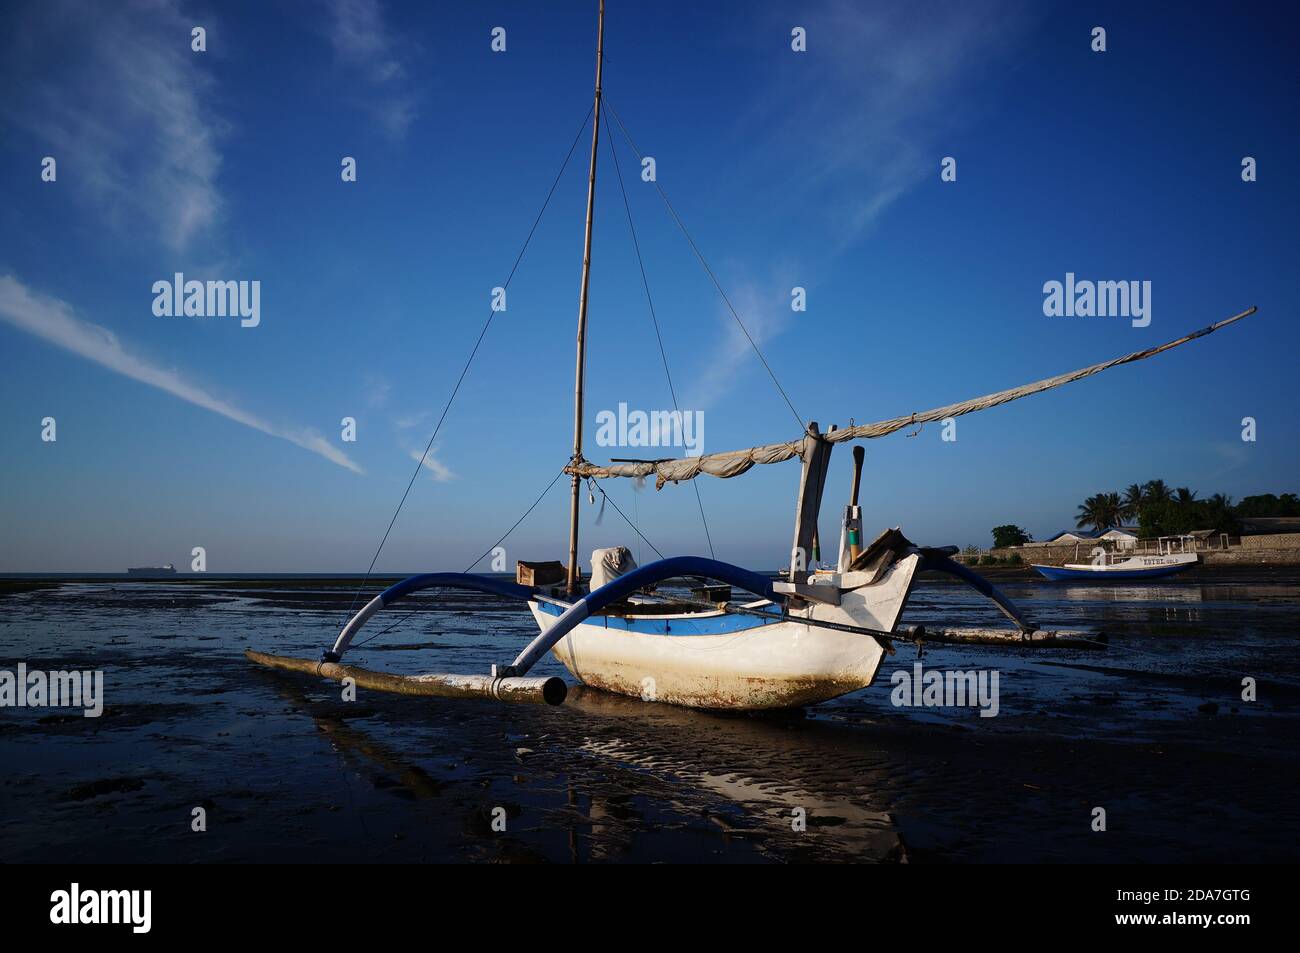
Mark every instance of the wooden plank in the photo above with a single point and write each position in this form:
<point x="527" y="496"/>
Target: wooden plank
<point x="812" y="480"/>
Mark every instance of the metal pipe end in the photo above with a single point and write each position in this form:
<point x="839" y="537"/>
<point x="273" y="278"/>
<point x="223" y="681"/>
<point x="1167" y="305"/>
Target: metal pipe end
<point x="555" y="690"/>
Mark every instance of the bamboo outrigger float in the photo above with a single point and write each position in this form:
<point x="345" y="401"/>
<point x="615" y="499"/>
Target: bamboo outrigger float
<point x="550" y="691"/>
<point x="814" y="635"/>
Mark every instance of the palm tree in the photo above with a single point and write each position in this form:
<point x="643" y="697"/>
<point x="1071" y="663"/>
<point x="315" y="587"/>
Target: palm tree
<point x="1089" y="512"/>
<point x="1219" y="500"/>
<point x="1184" y="495"/>
<point x="1156" y="492"/>
<point x="1099" y="511"/>
<point x="1134" y="497"/>
<point x="1113" y="510"/>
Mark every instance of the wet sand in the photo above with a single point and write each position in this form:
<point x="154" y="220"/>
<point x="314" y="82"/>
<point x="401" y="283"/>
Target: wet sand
<point x="287" y="771"/>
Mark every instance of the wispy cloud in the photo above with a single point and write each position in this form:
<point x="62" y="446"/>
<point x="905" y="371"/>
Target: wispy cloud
<point x="52" y="320"/>
<point x="872" y="104"/>
<point x="766" y="313"/>
<point x="363" y="43"/>
<point x="869" y="111"/>
<point x="377" y="391"/>
<point x="413" y="420"/>
<point x="119" y="99"/>
<point x="438" y="470"/>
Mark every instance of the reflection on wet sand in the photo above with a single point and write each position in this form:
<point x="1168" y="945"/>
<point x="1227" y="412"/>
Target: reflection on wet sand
<point x="767" y="758"/>
<point x="675" y="746"/>
<point x="357" y="745"/>
<point x="770" y="772"/>
<point x="1128" y="594"/>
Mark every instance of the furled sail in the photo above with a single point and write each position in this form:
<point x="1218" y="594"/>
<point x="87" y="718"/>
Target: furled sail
<point x="735" y="462"/>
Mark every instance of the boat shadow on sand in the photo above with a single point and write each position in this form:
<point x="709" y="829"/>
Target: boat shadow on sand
<point x="618" y="762"/>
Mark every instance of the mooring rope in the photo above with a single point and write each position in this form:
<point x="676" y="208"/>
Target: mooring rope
<point x="455" y="390"/>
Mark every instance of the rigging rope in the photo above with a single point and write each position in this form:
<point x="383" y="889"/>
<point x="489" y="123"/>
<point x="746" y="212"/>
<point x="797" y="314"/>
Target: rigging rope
<point x="698" y="254"/>
<point x="593" y="483"/>
<point x="455" y="390"/>
<point x="528" y="511"/>
<point x="663" y="354"/>
<point x="517" y="522"/>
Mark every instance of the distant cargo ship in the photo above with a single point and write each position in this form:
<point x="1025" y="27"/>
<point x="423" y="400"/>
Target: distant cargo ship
<point x="168" y="570"/>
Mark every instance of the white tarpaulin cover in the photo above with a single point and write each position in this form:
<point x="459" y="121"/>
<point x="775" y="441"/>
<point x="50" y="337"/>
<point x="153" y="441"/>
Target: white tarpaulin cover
<point x="609" y="564"/>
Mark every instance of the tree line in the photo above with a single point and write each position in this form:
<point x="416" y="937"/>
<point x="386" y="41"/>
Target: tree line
<point x="1160" y="510"/>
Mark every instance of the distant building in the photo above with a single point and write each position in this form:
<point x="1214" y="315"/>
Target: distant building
<point x="1124" y="537"/>
<point x="1069" y="536"/>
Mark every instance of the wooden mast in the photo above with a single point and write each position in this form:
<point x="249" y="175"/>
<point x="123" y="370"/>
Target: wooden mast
<point x="573" y="574"/>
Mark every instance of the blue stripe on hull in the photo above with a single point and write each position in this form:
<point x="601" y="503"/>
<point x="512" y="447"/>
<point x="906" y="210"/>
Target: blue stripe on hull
<point x="1059" y="573"/>
<point x="708" y="625"/>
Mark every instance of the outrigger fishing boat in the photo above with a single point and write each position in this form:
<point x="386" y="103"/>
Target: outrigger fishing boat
<point x="807" y="637"/>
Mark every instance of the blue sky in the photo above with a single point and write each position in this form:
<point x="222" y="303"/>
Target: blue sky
<point x="816" y="169"/>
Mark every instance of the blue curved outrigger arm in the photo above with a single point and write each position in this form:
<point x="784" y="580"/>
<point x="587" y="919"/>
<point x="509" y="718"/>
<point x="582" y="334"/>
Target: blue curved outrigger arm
<point x="428" y="580"/>
<point x="594" y="601"/>
<point x="936" y="562"/>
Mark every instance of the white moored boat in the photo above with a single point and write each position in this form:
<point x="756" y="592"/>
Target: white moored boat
<point x="1116" y="566"/>
<point x="1170" y="558"/>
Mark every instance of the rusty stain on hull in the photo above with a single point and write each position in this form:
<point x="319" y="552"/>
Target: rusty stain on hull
<point x="759" y="692"/>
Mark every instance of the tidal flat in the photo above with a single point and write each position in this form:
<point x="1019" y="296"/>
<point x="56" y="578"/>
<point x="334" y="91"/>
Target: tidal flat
<point x="1154" y="730"/>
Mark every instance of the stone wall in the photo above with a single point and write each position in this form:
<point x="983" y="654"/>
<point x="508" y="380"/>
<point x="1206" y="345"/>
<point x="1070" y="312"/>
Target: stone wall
<point x="1253" y="556"/>
<point x="1047" y="555"/>
<point x="1276" y="541"/>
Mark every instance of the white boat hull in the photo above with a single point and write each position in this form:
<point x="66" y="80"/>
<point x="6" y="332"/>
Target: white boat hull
<point x="782" y="664"/>
<point x="1134" y="567"/>
<point x="1168" y="561"/>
